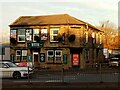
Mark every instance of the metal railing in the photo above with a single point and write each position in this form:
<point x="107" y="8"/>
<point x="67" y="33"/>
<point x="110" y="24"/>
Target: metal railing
<point x="100" y="73"/>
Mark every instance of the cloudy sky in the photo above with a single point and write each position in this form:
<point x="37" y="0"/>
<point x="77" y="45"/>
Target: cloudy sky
<point x="91" y="11"/>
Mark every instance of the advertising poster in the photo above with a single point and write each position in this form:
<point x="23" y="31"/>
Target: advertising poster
<point x="75" y="59"/>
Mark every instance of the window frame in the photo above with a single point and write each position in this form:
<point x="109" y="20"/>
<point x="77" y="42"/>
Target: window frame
<point x="100" y="38"/>
<point x="21" y="55"/>
<point x="86" y="37"/>
<point x="18" y="55"/>
<point x="21" y="35"/>
<point x="51" y="56"/>
<point x="35" y="34"/>
<point x="97" y="37"/>
<point x="28" y="34"/>
<point x="56" y="56"/>
<point x="44" y="34"/>
<point x="52" y="34"/>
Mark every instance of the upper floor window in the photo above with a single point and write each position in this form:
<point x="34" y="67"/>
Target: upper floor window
<point x="35" y="33"/>
<point x="93" y="37"/>
<point x="54" y="34"/>
<point x="97" y="37"/>
<point x="86" y="37"/>
<point x="28" y="34"/>
<point x="43" y="34"/>
<point x="100" y="38"/>
<point x="21" y="35"/>
<point x="13" y="34"/>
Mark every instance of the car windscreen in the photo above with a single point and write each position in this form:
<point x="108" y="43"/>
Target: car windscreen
<point x="11" y="65"/>
<point x="114" y="59"/>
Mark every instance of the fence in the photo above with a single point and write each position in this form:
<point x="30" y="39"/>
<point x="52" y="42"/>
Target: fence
<point x="94" y="73"/>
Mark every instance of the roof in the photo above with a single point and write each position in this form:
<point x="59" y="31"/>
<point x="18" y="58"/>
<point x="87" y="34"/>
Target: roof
<point x="57" y="19"/>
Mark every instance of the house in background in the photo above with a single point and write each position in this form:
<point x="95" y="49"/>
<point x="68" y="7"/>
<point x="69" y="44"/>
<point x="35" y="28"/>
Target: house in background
<point x="53" y="40"/>
<point x="5" y="52"/>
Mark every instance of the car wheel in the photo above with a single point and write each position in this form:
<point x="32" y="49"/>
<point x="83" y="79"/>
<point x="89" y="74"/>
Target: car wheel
<point x="16" y="75"/>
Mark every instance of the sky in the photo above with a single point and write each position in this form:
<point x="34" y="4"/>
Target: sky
<point x="91" y="11"/>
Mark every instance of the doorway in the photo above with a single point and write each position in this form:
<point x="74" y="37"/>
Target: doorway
<point x="35" y="59"/>
<point x="75" y="57"/>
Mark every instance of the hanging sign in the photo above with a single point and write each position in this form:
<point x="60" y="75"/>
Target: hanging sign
<point x="42" y="57"/>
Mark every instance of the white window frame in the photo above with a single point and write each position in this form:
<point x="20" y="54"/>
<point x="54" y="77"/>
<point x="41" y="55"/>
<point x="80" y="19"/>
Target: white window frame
<point x="52" y="34"/>
<point x="58" y="55"/>
<point x="28" y="34"/>
<point x="86" y="37"/>
<point x="18" y="55"/>
<point x="100" y="38"/>
<point x="97" y="38"/>
<point x="21" y="35"/>
<point x="93" y="34"/>
<point x="35" y="34"/>
<point x="44" y="31"/>
<point x="50" y="55"/>
<point x="22" y="54"/>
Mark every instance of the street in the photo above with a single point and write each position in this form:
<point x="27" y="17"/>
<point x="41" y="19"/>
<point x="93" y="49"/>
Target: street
<point x="67" y="77"/>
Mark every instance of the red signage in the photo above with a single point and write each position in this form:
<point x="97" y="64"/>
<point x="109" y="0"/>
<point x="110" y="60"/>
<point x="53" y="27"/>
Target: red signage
<point x="75" y="59"/>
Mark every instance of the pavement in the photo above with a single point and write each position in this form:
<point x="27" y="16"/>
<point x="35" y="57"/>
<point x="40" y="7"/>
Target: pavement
<point x="86" y="86"/>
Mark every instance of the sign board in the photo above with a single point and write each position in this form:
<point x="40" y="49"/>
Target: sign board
<point x="35" y="45"/>
<point x="65" y="58"/>
<point x="75" y="59"/>
<point x="42" y="57"/>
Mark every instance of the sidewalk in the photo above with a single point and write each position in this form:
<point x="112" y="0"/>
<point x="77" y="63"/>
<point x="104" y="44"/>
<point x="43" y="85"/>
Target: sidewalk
<point x="106" y="86"/>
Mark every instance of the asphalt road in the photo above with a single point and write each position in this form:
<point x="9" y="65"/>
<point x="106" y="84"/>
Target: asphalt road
<point x="110" y="79"/>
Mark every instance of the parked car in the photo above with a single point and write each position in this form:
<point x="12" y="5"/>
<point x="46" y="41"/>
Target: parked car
<point x="9" y="69"/>
<point x="24" y="64"/>
<point x="114" y="61"/>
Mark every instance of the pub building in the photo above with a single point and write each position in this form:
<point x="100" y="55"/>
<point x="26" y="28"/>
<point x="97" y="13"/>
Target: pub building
<point x="50" y="41"/>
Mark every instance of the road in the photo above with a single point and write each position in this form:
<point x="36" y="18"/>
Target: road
<point x="108" y="80"/>
<point x="109" y="77"/>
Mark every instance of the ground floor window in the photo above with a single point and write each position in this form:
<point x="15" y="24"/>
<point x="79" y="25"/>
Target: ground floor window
<point x="21" y="55"/>
<point x="54" y="55"/>
<point x="86" y="55"/>
<point x="50" y="54"/>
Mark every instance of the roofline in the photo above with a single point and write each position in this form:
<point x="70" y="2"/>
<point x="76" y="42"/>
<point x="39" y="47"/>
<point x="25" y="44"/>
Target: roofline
<point x="54" y="24"/>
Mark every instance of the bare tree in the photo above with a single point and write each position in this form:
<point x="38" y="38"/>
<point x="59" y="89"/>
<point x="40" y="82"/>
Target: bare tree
<point x="110" y="34"/>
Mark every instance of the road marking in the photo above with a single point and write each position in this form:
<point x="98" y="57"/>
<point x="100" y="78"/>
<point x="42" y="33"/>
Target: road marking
<point x="54" y="81"/>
